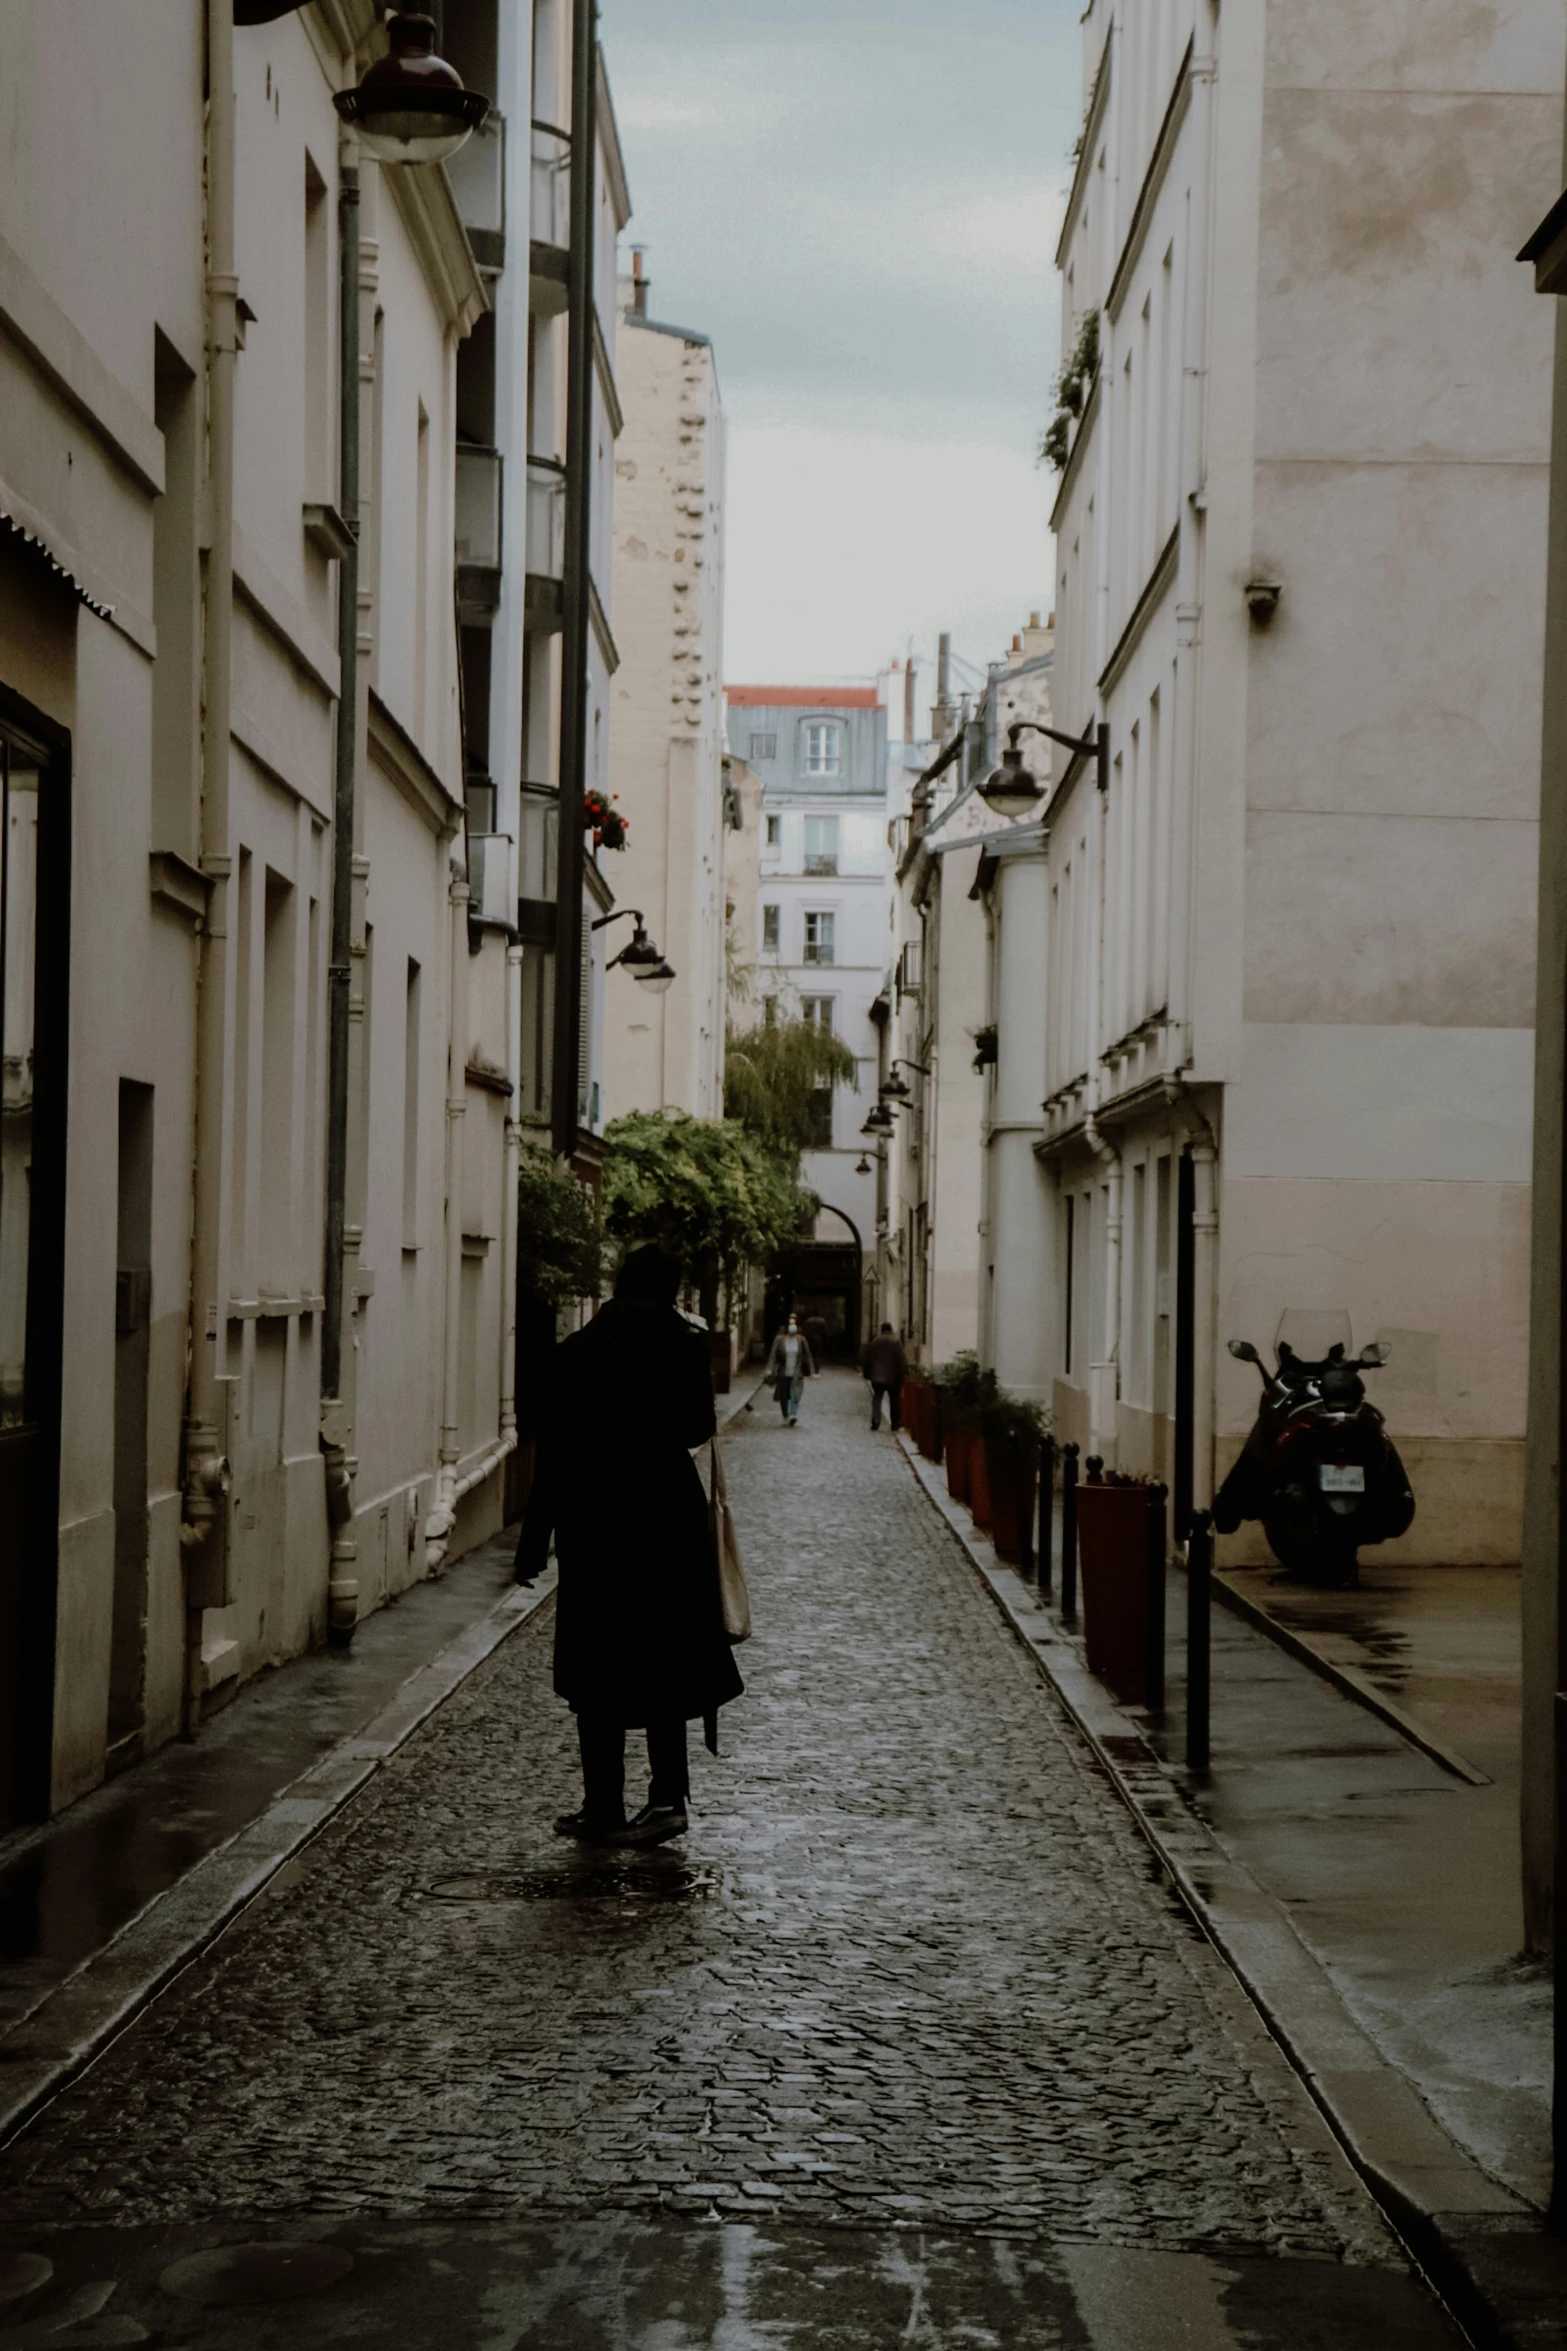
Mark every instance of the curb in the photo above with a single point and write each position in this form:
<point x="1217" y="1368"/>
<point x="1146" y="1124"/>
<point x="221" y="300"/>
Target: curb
<point x="62" y="2036"/>
<point x="1482" y="2246"/>
<point x="1348" y="1680"/>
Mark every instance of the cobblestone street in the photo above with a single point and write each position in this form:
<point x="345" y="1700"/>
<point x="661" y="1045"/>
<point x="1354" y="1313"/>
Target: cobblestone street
<point x="909" y="2011"/>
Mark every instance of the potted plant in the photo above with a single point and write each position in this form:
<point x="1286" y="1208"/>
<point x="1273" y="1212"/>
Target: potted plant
<point x="603" y="819"/>
<point x="920" y="1411"/>
<point x="1112" y="1542"/>
<point x="957" y="1393"/>
<point x="1009" y="1430"/>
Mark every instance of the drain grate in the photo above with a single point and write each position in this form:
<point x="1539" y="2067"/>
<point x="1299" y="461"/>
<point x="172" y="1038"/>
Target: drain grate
<point x="606" y="1881"/>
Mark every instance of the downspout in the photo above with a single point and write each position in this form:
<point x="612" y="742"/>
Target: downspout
<point x="443" y="1518"/>
<point x="336" y="1434"/>
<point x="204" y="1523"/>
<point x="1104" y="1377"/>
<point x="576" y="615"/>
<point x="1204" y="1149"/>
<point x="1188" y="592"/>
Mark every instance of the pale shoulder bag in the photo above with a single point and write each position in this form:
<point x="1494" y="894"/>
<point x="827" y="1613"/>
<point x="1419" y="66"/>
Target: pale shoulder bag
<point x="734" y="1601"/>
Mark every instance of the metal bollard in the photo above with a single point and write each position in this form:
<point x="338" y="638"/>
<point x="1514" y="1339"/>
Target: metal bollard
<point x="1069" y="1533"/>
<point x="1199" y="1600"/>
<point x="1047" y="1505"/>
<point x="1153" y="1650"/>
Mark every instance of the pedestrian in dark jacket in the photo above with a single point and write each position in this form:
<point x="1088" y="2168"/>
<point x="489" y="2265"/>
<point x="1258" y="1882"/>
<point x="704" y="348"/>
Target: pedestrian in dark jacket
<point x="883" y="1365"/>
<point x="639" y="1638"/>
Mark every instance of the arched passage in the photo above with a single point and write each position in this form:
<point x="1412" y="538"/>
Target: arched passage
<point x="820" y="1280"/>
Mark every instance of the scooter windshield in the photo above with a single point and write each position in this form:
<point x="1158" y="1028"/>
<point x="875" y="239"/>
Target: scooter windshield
<point x="1312" y="1332"/>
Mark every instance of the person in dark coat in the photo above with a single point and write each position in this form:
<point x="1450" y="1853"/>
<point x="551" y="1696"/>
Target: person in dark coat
<point x="639" y="1636"/>
<point x="883" y="1365"/>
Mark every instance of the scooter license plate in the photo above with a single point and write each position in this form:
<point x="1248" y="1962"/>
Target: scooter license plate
<point x="1341" y="1478"/>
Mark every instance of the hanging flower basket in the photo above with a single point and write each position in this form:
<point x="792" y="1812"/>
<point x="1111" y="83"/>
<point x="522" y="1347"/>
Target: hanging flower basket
<point x="602" y="817"/>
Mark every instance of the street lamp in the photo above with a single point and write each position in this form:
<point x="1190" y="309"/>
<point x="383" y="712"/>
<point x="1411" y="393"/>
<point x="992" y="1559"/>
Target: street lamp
<point x="411" y="106"/>
<point x="896" y="1089"/>
<point x="878" y="1121"/>
<point x="642" y="958"/>
<point x="1012" y="790"/>
<point x="864" y="1166"/>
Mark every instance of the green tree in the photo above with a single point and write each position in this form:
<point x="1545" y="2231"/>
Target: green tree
<point x="705" y="1190"/>
<point x="560" y="1234"/>
<point x="775" y="1076"/>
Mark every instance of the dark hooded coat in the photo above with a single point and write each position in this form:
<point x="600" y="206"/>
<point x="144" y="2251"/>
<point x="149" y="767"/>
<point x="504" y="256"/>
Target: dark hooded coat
<point x="638" y="1632"/>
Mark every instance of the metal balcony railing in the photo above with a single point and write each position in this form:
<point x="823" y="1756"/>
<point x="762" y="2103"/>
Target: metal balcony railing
<point x="546" y="518"/>
<point x="479" y="478"/>
<point x="549" y="220"/>
<point x="478" y="177"/>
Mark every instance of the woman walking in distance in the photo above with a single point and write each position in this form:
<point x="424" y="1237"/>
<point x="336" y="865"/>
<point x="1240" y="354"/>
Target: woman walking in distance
<point x="639" y="1637"/>
<point x="789" y="1367"/>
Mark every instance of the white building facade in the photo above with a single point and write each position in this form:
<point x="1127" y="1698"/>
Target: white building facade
<point x="1283" y="999"/>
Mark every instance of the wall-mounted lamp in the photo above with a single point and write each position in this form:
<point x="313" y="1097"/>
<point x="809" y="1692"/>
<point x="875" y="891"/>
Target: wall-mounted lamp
<point x="878" y="1121"/>
<point x="896" y="1089"/>
<point x="642" y="958"/>
<point x="1262" y="600"/>
<point x="411" y="106"/>
<point x="863" y="1167"/>
<point x="1012" y="790"/>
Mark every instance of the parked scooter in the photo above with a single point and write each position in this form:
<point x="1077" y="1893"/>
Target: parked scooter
<point x="1319" y="1468"/>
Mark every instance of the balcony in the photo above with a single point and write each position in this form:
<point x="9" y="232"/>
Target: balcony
<point x="818" y="861"/>
<point x="546" y="564"/>
<point x="477" y="173"/>
<point x="549" y="219"/>
<point x="480" y="474"/>
<point x="489" y="879"/>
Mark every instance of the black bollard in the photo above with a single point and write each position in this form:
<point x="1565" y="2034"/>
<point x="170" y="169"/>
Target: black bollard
<point x="1153" y="1651"/>
<point x="1069" y="1534"/>
<point x="1047" y="1505"/>
<point x="1199" y="1597"/>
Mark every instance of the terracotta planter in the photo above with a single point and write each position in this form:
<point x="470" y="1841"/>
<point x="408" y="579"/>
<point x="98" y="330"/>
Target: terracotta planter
<point x="927" y="1421"/>
<point x="978" y="1483"/>
<point x="956" y="1444"/>
<point x="1112" y="1542"/>
<point x="1012" y="1472"/>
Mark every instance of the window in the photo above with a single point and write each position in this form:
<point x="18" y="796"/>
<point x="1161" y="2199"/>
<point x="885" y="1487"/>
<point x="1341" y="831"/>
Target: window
<point x="821" y="1118"/>
<point x="769" y="930"/>
<point x="819" y="933"/>
<point x="775" y="832"/>
<point x="823" y="748"/>
<point x="763" y="747"/>
<point x="821" y="844"/>
<point x="817" y="1012"/>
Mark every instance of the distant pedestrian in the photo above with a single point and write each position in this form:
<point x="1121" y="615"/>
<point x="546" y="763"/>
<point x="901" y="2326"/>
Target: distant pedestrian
<point x="789" y="1366"/>
<point x="639" y="1638"/>
<point x="816" y="1335"/>
<point x="883" y="1365"/>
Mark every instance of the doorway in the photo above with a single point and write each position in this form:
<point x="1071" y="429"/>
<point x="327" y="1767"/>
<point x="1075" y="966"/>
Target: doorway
<point x="34" y="979"/>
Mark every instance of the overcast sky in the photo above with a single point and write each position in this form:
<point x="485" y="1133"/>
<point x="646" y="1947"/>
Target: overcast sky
<point x="860" y="203"/>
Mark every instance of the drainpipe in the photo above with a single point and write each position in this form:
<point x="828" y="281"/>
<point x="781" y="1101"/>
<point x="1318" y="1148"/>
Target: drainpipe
<point x="204" y="1518"/>
<point x="443" y="1518"/>
<point x="1105" y="1375"/>
<point x="1204" y="1149"/>
<point x="336" y="1433"/>
<point x="1188" y="591"/>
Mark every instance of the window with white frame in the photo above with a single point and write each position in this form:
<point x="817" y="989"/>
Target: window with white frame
<point x="821" y="844"/>
<point x="763" y="747"/>
<point x="817" y="1012"/>
<point x="823" y="747"/>
<point x="775" y="832"/>
<point x="769" y="930"/>
<point x="820" y="937"/>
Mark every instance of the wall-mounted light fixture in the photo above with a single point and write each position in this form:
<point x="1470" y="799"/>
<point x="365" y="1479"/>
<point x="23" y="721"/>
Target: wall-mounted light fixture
<point x="1012" y="790"/>
<point x="896" y="1089"/>
<point x="411" y="106"/>
<point x="642" y="958"/>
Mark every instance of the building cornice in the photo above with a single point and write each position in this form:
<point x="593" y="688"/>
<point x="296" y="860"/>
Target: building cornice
<point x="283" y="616"/>
<point x="61" y="353"/>
<point x="609" y="139"/>
<point x="1080" y="441"/>
<point x="1153" y="180"/>
<point x="400" y="759"/>
<point x="423" y="196"/>
<point x="1158" y="580"/>
<point x="1097" y="101"/>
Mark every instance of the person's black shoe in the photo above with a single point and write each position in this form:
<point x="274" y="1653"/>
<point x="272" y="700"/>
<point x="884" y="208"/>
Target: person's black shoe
<point x="587" y="1831"/>
<point x="652" y="1825"/>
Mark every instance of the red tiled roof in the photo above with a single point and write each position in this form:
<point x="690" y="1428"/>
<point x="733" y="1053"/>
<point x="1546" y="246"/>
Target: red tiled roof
<point x="805" y="697"/>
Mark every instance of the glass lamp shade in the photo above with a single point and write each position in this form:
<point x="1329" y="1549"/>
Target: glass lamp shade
<point x="641" y="952"/>
<point x="656" y="977"/>
<point x="893" y="1088"/>
<point x="864" y="1166"/>
<point x="411" y="106"/>
<point x="1010" y="789"/>
<point x="879" y="1121"/>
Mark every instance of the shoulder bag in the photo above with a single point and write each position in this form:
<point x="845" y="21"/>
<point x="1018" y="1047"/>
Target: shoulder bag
<point x="734" y="1601"/>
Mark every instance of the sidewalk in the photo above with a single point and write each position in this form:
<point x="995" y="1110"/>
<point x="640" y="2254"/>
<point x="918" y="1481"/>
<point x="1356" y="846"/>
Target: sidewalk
<point x="1365" y="1891"/>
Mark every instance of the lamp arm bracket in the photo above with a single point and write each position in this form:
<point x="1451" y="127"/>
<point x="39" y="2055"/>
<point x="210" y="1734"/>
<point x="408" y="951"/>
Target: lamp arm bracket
<point x="619" y="914"/>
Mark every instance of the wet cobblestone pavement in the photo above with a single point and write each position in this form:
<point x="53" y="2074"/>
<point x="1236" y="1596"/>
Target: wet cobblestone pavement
<point x="911" y="1970"/>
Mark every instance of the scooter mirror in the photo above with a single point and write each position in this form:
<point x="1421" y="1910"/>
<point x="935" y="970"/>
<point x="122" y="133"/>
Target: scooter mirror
<point x="1374" y="1356"/>
<point x="1244" y="1352"/>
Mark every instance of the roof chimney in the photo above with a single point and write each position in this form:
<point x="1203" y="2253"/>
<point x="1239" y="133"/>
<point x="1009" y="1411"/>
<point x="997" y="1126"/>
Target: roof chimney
<point x="1033" y="620"/>
<point x="639" y="283"/>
